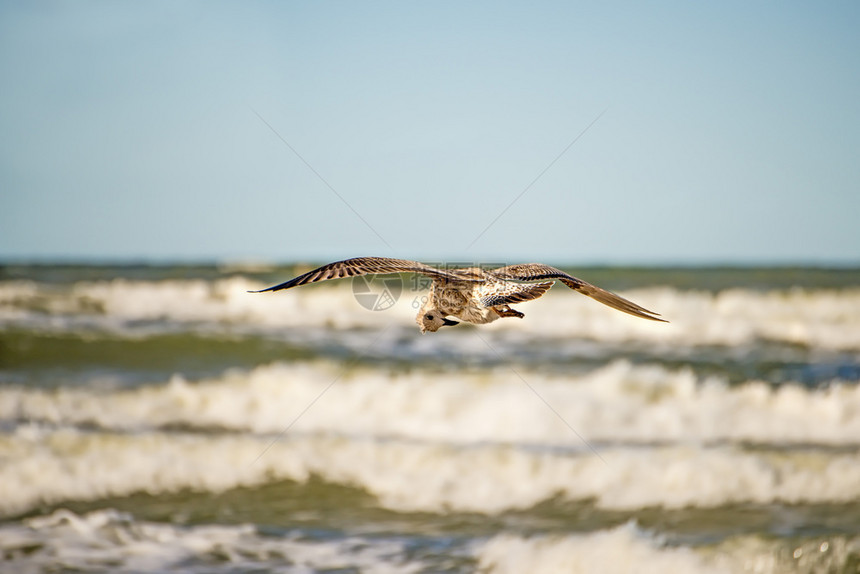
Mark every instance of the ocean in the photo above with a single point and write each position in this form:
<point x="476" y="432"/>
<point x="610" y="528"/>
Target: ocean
<point x="160" y="418"/>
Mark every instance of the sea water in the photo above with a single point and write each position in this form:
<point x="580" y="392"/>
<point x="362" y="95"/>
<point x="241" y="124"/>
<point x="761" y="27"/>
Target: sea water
<point x="163" y="419"/>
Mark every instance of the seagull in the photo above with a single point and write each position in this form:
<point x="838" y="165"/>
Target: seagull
<point x="473" y="294"/>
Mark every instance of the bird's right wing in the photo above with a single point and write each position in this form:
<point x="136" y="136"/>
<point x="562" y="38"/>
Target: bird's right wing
<point x="365" y="266"/>
<point x="539" y="272"/>
<point x="514" y="293"/>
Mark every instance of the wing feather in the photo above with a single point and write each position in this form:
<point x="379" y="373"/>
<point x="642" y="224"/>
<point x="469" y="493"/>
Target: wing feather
<point x="364" y="266"/>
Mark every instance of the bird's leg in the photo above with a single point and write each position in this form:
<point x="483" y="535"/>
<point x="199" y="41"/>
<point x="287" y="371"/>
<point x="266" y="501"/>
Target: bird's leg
<point x="506" y="311"/>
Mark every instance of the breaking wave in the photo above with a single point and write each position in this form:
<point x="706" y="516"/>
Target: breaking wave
<point x="621" y="402"/>
<point x="817" y="318"/>
<point x="111" y="541"/>
<point x="479" y="441"/>
<point x="628" y="548"/>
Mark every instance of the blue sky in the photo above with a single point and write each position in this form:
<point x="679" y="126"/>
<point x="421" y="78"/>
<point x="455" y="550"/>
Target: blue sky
<point x="719" y="132"/>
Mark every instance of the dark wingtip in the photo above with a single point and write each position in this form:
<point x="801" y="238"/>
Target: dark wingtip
<point x="275" y="288"/>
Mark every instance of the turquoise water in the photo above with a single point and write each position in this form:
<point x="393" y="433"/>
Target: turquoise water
<point x="162" y="418"/>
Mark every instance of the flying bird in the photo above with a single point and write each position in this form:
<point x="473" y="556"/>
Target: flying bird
<point x="471" y="294"/>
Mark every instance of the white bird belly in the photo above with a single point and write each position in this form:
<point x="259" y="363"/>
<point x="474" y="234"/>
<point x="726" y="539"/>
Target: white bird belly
<point x="477" y="314"/>
<point x="458" y="300"/>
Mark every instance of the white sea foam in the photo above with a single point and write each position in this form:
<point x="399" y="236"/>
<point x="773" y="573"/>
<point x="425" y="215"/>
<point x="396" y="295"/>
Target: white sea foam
<point x="621" y="402"/>
<point x="42" y="466"/>
<point x="628" y="548"/>
<point x="620" y="550"/>
<point x="111" y="541"/>
<point x="827" y="319"/>
<point x="823" y="318"/>
<point x="225" y="301"/>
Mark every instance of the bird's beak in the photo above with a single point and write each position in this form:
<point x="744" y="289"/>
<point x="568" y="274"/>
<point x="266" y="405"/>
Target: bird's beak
<point x="449" y="323"/>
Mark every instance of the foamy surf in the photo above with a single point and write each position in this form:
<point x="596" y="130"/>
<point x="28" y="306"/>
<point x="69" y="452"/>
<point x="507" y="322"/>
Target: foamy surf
<point x="111" y="541"/>
<point x="825" y="319"/>
<point x="618" y="403"/>
<point x="629" y="548"/>
<point x="407" y="475"/>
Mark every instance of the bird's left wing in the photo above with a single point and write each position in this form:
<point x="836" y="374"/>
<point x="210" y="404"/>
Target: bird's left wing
<point x="364" y="266"/>
<point x="541" y="272"/>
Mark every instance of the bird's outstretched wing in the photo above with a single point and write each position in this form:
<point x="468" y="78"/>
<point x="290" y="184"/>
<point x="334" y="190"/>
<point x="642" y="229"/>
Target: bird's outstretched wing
<point x="364" y="266"/>
<point x="541" y="272"/>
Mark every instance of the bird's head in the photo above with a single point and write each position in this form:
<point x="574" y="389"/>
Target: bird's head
<point x="432" y="320"/>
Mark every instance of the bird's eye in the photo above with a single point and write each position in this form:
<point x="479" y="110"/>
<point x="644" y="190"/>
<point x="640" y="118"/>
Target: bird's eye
<point x="429" y="317"/>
